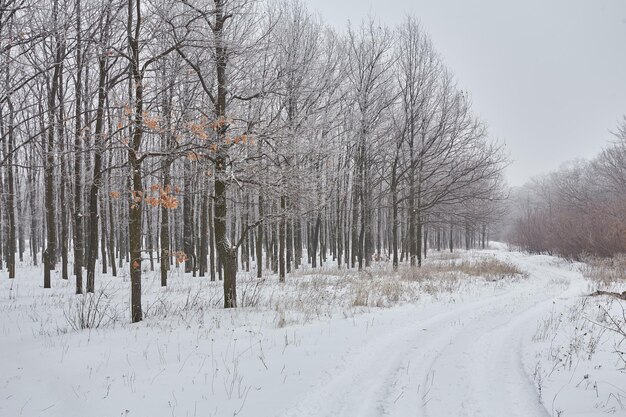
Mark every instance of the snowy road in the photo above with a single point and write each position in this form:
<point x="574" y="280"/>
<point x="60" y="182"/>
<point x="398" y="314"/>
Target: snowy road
<point x="463" y="361"/>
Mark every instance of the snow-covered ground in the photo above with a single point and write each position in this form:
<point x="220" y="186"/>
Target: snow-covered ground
<point x="322" y="344"/>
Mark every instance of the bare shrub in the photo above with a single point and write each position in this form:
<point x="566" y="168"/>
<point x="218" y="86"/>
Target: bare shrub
<point x="160" y="307"/>
<point x="605" y="272"/>
<point x="250" y="293"/>
<point x="548" y="327"/>
<point x="609" y="274"/>
<point x="194" y="304"/>
<point x="613" y="319"/>
<point x="381" y="291"/>
<point x="361" y="297"/>
<point x="280" y="319"/>
<point x="391" y="292"/>
<point x="91" y="311"/>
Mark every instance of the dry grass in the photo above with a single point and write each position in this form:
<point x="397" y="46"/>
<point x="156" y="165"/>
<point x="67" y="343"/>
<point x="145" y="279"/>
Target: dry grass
<point x="606" y="272"/>
<point x="490" y="269"/>
<point x="445" y="256"/>
<point x="381" y="286"/>
<point x="381" y="293"/>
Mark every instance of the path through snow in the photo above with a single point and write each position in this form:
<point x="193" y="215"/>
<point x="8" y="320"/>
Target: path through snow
<point x="465" y="360"/>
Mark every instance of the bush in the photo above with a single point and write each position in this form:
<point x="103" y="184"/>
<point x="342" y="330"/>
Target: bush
<point x="91" y="311"/>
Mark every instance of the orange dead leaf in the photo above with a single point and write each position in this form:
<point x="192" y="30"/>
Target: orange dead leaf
<point x="151" y="123"/>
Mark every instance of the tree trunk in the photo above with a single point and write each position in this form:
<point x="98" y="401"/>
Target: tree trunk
<point x="281" y="241"/>
<point x="134" y="161"/>
<point x="394" y="225"/>
<point x="10" y="200"/>
<point x="112" y="239"/>
<point x="78" y="236"/>
<point x="187" y="218"/>
<point x="259" y="240"/>
<point x="165" y="227"/>
<point x="103" y="238"/>
<point x="227" y="254"/>
<point x="63" y="169"/>
<point x="211" y="240"/>
<point x="450" y="240"/>
<point x="51" y="237"/>
<point x="97" y="176"/>
<point x="204" y="229"/>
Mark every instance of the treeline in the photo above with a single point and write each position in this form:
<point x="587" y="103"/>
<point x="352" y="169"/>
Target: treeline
<point x="578" y="210"/>
<point x="230" y="134"/>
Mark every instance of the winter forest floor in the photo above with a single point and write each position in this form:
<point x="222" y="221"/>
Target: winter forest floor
<point x="479" y="333"/>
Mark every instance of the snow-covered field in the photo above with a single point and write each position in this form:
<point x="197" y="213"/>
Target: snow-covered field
<point x="323" y="344"/>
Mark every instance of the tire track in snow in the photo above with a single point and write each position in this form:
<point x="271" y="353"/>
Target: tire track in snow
<point x="483" y="365"/>
<point x="369" y="383"/>
<point x="462" y="362"/>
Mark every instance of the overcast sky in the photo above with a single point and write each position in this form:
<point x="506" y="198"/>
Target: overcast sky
<point x="548" y="76"/>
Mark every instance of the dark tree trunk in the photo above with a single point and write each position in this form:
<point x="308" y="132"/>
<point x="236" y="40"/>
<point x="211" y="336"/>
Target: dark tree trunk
<point x="204" y="229"/>
<point x="51" y="236"/>
<point x="10" y="199"/>
<point x="226" y="252"/>
<point x="64" y="170"/>
<point x="418" y="238"/>
<point x="112" y="239"/>
<point x="394" y="224"/>
<point x="165" y="227"/>
<point x="339" y="230"/>
<point x="483" y="243"/>
<point x="78" y="236"/>
<point x="103" y="237"/>
<point x="187" y="218"/>
<point x="356" y="198"/>
<point x="289" y="242"/>
<point x="211" y="240"/>
<point x="259" y="240"/>
<point x="150" y="241"/>
<point x="97" y="176"/>
<point x="281" y="241"/>
<point x="134" y="162"/>
<point x="315" y="240"/>
<point x="450" y="240"/>
<point x="246" y="247"/>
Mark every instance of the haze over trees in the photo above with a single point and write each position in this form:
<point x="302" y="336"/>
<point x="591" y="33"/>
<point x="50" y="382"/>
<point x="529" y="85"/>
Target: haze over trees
<point x="228" y="135"/>
<point x="579" y="209"/>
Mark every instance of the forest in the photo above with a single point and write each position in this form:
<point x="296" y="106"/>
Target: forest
<point x="230" y="135"/>
<point x="243" y="208"/>
<point x="579" y="210"/>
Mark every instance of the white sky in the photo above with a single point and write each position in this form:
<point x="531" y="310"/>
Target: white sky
<point x="548" y="76"/>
